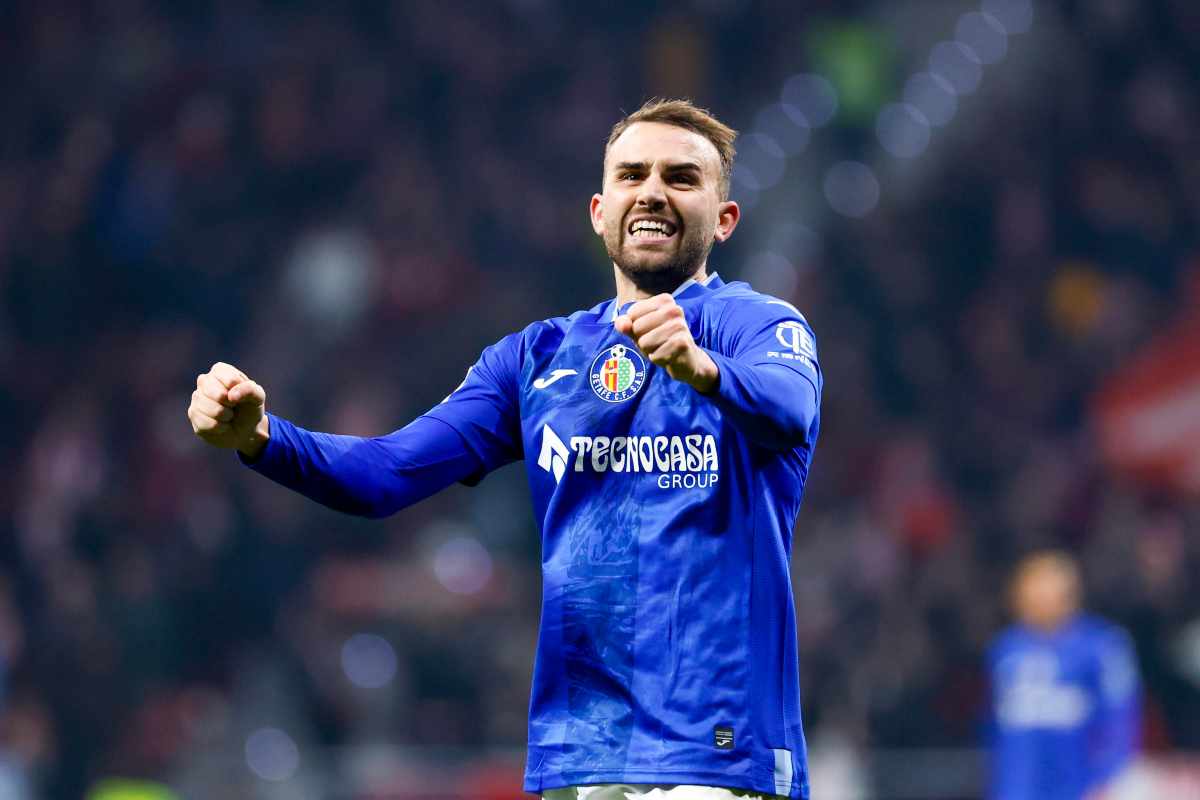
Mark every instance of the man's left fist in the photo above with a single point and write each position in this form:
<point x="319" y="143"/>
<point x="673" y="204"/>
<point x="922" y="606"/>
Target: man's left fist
<point x="659" y="329"/>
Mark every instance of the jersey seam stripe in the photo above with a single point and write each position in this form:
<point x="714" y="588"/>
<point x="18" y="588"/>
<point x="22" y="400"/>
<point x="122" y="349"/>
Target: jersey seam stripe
<point x="467" y="445"/>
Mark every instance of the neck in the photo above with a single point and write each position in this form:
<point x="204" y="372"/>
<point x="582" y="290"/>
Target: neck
<point x="1051" y="625"/>
<point x="628" y="291"/>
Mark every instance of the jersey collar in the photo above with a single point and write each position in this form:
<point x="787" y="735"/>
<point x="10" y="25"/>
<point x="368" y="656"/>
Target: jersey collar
<point x="688" y="289"/>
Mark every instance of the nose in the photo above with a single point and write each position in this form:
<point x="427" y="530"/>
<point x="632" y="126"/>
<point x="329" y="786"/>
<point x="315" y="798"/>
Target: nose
<point x="651" y="193"/>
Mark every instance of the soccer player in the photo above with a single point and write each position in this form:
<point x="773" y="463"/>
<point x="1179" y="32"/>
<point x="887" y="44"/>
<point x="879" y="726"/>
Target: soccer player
<point x="667" y="435"/>
<point x="1064" y="691"/>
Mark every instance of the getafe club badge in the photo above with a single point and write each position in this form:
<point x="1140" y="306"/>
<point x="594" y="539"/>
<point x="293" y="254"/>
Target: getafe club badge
<point x="618" y="373"/>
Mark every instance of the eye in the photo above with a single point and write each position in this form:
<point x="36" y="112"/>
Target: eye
<point x="627" y="176"/>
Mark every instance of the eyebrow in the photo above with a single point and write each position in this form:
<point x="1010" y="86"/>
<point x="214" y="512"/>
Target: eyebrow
<point x="642" y="166"/>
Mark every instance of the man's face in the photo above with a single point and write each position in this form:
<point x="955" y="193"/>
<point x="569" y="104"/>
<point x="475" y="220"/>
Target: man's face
<point x="661" y="208"/>
<point x="1046" y="595"/>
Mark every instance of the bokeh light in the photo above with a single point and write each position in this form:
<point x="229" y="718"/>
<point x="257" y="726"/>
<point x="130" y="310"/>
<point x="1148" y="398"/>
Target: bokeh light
<point x="272" y="755"/>
<point x="771" y="273"/>
<point x="902" y="130"/>
<point x="933" y="96"/>
<point x="813" y="96"/>
<point x="462" y="565"/>
<point x="1016" y="16"/>
<point x="762" y="157"/>
<point x="369" y="661"/>
<point x="958" y="64"/>
<point x="797" y="243"/>
<point x="786" y="126"/>
<point x="851" y="188"/>
<point x="744" y="188"/>
<point x="984" y="35"/>
<point x="330" y="275"/>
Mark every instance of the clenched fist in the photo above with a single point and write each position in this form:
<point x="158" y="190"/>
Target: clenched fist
<point x="659" y="329"/>
<point x="229" y="410"/>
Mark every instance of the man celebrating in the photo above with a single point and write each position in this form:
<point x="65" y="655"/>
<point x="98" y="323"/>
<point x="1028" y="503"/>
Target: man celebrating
<point x="667" y="436"/>
<point x="1064" y="691"/>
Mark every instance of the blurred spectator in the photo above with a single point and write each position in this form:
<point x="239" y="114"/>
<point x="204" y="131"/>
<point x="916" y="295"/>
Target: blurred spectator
<point x="1065" y="697"/>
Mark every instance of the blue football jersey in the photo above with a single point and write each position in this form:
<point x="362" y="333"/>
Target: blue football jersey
<point x="667" y="647"/>
<point x="1065" y="710"/>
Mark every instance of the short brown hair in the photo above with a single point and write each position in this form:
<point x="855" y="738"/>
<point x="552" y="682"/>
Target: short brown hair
<point x="683" y="114"/>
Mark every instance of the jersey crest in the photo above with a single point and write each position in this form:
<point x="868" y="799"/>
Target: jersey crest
<point x="618" y="373"/>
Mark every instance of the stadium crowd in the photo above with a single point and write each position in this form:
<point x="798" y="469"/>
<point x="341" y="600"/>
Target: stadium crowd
<point x="349" y="204"/>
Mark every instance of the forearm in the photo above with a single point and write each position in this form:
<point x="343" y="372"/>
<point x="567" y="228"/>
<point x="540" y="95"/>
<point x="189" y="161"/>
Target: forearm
<point x="771" y="403"/>
<point x="369" y="477"/>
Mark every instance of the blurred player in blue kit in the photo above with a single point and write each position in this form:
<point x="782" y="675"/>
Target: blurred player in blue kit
<point x="1065" y="691"/>
<point x="667" y="435"/>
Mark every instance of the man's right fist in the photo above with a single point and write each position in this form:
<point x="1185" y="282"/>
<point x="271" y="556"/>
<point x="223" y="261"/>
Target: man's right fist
<point x="229" y="410"/>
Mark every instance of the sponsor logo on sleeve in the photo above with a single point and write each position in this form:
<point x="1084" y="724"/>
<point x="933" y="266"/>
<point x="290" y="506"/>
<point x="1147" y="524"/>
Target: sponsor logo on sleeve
<point x="797" y="344"/>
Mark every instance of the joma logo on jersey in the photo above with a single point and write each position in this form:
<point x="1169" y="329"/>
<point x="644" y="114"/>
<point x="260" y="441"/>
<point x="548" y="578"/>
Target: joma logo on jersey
<point x="617" y="373"/>
<point x="682" y="462"/>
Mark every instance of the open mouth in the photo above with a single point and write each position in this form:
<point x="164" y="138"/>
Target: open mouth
<point x="651" y="230"/>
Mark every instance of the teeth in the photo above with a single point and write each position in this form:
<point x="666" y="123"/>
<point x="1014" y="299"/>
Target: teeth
<point x="649" y="227"/>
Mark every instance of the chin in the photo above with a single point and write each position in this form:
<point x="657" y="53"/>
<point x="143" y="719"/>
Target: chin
<point x="659" y="276"/>
<point x="648" y="262"/>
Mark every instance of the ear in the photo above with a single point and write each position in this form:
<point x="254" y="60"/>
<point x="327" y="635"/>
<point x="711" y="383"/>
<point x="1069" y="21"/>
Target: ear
<point x="728" y="215"/>
<point x="596" y="212"/>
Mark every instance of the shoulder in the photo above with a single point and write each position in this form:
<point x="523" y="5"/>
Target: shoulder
<point x="503" y="362"/>
<point x="1006" y="642"/>
<point x="740" y="315"/>
<point x="739" y="302"/>
<point x="547" y="332"/>
<point x="1105" y="634"/>
<point x="559" y="325"/>
<point x="1093" y="626"/>
<point x="741" y="320"/>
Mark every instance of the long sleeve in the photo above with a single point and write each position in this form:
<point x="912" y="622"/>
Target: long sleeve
<point x="472" y="432"/>
<point x="769" y="380"/>
<point x="369" y="477"/>
<point x="773" y="405"/>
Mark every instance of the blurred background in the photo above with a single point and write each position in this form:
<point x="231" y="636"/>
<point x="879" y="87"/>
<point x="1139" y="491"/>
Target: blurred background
<point x="987" y="210"/>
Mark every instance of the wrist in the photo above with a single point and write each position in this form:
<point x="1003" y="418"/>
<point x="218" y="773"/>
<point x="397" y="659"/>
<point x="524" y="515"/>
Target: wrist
<point x="252" y="448"/>
<point x="707" y="375"/>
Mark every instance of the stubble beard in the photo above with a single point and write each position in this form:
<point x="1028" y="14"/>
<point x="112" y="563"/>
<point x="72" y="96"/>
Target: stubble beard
<point x="650" y="272"/>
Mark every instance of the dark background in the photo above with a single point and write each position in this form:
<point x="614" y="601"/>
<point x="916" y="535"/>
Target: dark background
<point x="350" y="202"/>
